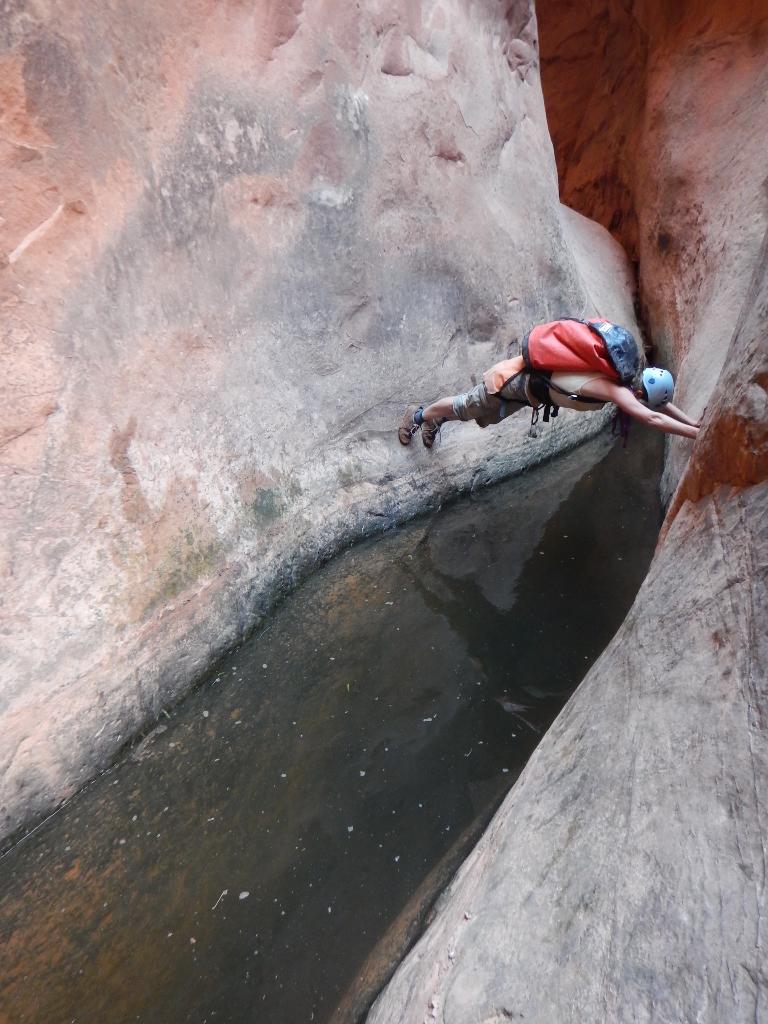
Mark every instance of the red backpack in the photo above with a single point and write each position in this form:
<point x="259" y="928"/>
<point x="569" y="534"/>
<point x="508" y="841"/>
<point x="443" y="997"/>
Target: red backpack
<point x="582" y="346"/>
<point x="578" y="346"/>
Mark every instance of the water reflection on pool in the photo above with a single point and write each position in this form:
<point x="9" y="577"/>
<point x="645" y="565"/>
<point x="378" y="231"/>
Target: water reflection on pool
<point x="261" y="855"/>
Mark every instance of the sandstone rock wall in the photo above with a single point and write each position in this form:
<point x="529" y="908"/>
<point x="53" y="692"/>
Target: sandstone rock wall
<point x="235" y="240"/>
<point x="624" y="878"/>
<point x="658" y="114"/>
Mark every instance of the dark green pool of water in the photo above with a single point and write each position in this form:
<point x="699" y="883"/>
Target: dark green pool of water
<point x="246" y="860"/>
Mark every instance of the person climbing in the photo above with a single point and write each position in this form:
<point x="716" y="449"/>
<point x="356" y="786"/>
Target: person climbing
<point x="567" y="363"/>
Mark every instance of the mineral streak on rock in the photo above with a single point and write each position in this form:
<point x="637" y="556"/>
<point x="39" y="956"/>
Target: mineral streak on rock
<point x="236" y="240"/>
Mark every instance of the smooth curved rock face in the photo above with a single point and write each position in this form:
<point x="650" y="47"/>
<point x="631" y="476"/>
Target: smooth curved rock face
<point x="594" y="57"/>
<point x="236" y="240"/>
<point x="624" y="877"/>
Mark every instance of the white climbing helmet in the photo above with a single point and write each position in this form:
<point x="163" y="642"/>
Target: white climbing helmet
<point x="658" y="385"/>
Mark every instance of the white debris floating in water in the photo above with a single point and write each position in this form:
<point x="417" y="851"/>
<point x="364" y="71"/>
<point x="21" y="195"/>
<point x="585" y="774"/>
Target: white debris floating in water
<point x="244" y="895"/>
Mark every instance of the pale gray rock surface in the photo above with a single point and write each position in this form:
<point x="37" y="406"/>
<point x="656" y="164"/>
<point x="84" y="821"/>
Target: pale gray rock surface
<point x="238" y="239"/>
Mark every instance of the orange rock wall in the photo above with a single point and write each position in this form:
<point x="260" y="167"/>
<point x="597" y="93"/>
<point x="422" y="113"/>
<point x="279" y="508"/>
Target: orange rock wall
<point x="658" y="114"/>
<point x="594" y="57"/>
<point x="731" y="452"/>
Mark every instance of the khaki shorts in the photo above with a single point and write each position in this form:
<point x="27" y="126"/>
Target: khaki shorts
<point x="486" y="409"/>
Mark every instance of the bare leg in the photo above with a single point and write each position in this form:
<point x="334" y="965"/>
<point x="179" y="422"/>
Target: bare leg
<point x="442" y="409"/>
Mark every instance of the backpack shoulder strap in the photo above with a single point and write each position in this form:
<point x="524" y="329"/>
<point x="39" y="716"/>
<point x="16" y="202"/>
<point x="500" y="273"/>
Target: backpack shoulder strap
<point x="525" y="353"/>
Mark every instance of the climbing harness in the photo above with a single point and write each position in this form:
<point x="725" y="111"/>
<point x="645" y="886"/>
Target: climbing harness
<point x="541" y="387"/>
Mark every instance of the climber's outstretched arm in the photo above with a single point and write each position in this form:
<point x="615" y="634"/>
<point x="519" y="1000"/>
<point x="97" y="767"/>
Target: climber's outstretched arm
<point x="678" y="414"/>
<point x="623" y="398"/>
